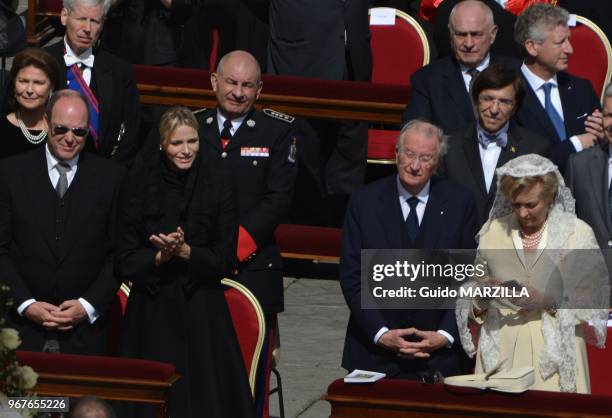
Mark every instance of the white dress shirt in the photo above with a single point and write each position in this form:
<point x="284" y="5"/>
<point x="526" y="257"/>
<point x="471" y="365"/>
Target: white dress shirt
<point x="481" y="67"/>
<point x="235" y="122"/>
<point x="423" y="197"/>
<point x="489" y="157"/>
<point x="54" y="178"/>
<point x="537" y="85"/>
<point x="87" y="57"/>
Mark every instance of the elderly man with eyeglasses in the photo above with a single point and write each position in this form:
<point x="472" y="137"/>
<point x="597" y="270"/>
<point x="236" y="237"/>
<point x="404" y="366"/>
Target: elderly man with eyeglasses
<point x="492" y="139"/>
<point x="409" y="210"/>
<point x="57" y="216"/>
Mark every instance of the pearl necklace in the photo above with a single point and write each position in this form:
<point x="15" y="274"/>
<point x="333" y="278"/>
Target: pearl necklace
<point x="532" y="241"/>
<point x="33" y="139"/>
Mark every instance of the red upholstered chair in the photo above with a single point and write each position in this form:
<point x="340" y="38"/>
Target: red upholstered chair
<point x="592" y="58"/>
<point x="249" y="324"/>
<point x="600" y="366"/>
<point x="41" y="20"/>
<point x="398" y="50"/>
<point x="111" y="378"/>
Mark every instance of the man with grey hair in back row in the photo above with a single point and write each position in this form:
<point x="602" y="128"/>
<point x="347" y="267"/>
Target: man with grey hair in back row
<point x="589" y="176"/>
<point x="440" y="90"/>
<point x="105" y="80"/>
<point x="557" y="105"/>
<point x="410" y="210"/>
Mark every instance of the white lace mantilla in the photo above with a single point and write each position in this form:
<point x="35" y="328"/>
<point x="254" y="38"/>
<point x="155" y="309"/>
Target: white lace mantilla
<point x="558" y="355"/>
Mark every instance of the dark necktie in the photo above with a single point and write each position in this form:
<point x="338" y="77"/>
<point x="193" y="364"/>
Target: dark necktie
<point x="412" y="221"/>
<point x="226" y="133"/>
<point x="552" y="113"/>
<point x="62" y="183"/>
<point x="473" y="72"/>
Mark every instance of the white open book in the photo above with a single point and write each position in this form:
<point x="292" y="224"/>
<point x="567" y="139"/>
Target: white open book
<point x="514" y="380"/>
<point x="363" y="376"/>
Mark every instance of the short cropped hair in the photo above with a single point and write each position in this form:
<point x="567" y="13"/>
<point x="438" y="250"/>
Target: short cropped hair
<point x="537" y="21"/>
<point x="496" y="77"/>
<point x="511" y="187"/>
<point x="59" y="94"/>
<point x="37" y="58"/>
<point x="173" y="118"/>
<point x="69" y="4"/>
<point x="428" y="130"/>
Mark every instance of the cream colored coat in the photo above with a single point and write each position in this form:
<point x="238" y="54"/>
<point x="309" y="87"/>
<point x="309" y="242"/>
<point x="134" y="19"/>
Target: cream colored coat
<point x="520" y="337"/>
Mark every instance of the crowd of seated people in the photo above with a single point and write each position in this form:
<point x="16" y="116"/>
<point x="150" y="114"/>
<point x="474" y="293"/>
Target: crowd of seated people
<point x="87" y="199"/>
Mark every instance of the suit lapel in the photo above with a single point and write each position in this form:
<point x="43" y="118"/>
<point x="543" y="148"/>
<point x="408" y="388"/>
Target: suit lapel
<point x="80" y="206"/>
<point x="390" y="211"/>
<point x="102" y="80"/>
<point x="472" y="158"/>
<point x="534" y="109"/>
<point x="43" y="197"/>
<point x="455" y="86"/>
<point x="597" y="166"/>
<point x="568" y="103"/>
<point x="434" y="218"/>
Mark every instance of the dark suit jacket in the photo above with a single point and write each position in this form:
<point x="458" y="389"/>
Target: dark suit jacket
<point x="372" y="222"/>
<point x="578" y="100"/>
<point x="462" y="162"/>
<point x="439" y="94"/>
<point x="586" y="175"/>
<point x="113" y="82"/>
<point x="308" y="39"/>
<point x="265" y="188"/>
<point x="49" y="261"/>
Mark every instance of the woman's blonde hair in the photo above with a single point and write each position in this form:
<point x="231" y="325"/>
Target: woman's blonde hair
<point x="511" y="187"/>
<point x="173" y="118"/>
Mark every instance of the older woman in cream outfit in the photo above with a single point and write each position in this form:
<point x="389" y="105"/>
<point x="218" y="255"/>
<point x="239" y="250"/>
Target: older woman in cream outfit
<point x="533" y="240"/>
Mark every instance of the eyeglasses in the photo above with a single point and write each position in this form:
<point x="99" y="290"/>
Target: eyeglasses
<point x="488" y="101"/>
<point x="425" y="159"/>
<point x="62" y="130"/>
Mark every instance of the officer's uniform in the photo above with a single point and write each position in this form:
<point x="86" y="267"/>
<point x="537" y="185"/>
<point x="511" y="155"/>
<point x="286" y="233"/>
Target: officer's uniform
<point x="260" y="157"/>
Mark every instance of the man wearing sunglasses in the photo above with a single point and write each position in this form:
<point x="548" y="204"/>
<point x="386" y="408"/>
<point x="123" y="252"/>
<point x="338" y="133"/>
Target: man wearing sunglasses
<point x="57" y="211"/>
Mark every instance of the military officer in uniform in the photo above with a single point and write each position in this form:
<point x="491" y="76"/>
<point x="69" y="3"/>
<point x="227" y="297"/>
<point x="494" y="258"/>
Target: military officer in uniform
<point x="258" y="149"/>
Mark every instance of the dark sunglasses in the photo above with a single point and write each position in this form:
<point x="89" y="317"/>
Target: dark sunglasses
<point x="62" y="130"/>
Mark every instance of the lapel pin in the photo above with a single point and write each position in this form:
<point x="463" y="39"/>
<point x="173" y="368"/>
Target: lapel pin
<point x="513" y="149"/>
<point x="250" y="123"/>
<point x="209" y="120"/>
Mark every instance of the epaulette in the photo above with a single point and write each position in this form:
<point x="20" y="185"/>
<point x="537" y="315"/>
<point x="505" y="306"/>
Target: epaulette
<point x="197" y="112"/>
<point x="278" y="115"/>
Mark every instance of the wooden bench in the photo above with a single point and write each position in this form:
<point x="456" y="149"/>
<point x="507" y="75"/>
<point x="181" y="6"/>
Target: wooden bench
<point x="111" y="378"/>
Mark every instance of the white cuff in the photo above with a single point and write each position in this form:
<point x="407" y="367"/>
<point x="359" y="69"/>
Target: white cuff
<point x="576" y="143"/>
<point x="91" y="311"/>
<point x="380" y="334"/>
<point x="24" y="305"/>
<point x="450" y="339"/>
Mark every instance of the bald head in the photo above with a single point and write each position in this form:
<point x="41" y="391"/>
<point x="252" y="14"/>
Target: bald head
<point x="239" y="58"/>
<point x="236" y="83"/>
<point x="472" y="32"/>
<point x="91" y="407"/>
